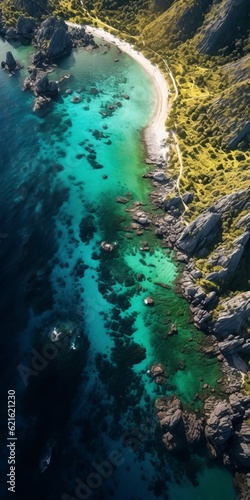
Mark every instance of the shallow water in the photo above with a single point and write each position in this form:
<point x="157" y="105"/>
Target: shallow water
<point x="56" y="208"/>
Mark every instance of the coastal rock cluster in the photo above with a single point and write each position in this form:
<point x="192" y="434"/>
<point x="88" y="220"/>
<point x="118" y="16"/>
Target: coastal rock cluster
<point x="53" y="41"/>
<point x="203" y="285"/>
<point x="223" y="423"/>
<point x="222" y="427"/>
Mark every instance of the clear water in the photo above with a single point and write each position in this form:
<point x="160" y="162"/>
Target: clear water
<point x="89" y="400"/>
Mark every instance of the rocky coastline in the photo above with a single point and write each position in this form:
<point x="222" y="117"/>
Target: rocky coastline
<point x="223" y="424"/>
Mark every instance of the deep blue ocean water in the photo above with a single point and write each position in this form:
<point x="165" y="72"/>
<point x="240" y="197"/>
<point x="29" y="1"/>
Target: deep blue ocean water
<point x="80" y="400"/>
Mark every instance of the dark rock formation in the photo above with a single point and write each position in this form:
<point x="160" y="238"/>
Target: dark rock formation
<point x="40" y="59"/>
<point x="60" y="44"/>
<point x="10" y="63"/>
<point x="239" y="451"/>
<point x="34" y="8"/>
<point x="180" y="428"/>
<point x="25" y="27"/>
<point x="200" y="233"/>
<point x="219" y="425"/>
<point x="53" y="38"/>
<point x="55" y="41"/>
<point x="233" y="316"/>
<point x="45" y="87"/>
<point x="239" y="136"/>
<point x="82" y="39"/>
<point x="177" y="201"/>
<point x="204" y="230"/>
<point x="42" y="88"/>
<point x="227" y="259"/>
<point x="222" y="425"/>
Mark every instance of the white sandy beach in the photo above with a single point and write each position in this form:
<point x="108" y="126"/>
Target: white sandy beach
<point x="155" y="134"/>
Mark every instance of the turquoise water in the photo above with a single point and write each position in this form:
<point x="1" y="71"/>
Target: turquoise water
<point x="56" y="209"/>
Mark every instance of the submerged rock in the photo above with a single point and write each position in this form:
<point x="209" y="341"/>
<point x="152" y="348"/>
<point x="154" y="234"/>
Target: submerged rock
<point x="149" y="301"/>
<point x="108" y="247"/>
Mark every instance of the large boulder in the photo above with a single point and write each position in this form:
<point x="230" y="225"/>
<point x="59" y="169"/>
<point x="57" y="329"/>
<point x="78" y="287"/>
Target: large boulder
<point x="60" y="44"/>
<point x="180" y="428"/>
<point x="239" y="451"/>
<point x="219" y="425"/>
<point x="227" y="259"/>
<point x="200" y="233"/>
<point x="233" y="316"/>
<point x="53" y="38"/>
<point x="46" y="87"/>
<point x="25" y="27"/>
<point x="205" y="229"/>
<point x="10" y="61"/>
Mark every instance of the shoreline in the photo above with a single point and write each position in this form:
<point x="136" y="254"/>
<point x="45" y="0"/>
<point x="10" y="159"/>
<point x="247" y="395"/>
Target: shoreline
<point x="154" y="134"/>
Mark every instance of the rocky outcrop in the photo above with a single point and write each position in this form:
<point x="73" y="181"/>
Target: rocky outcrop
<point x="233" y="317"/>
<point x="34" y="8"/>
<point x="204" y="230"/>
<point x="39" y="84"/>
<point x="60" y="44"/>
<point x="233" y="203"/>
<point x="222" y="425"/>
<point x="45" y="87"/>
<point x="221" y="29"/>
<point x="81" y="38"/>
<point x="53" y="38"/>
<point x="177" y="201"/>
<point x="25" y="28"/>
<point x="180" y="428"/>
<point x="239" y="452"/>
<point x="227" y="259"/>
<point x="219" y="425"/>
<point x="141" y="217"/>
<point x="42" y="88"/>
<point x="200" y="233"/>
<point x="10" y="63"/>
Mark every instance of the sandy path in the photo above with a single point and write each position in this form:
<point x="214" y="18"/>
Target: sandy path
<point x="155" y="134"/>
